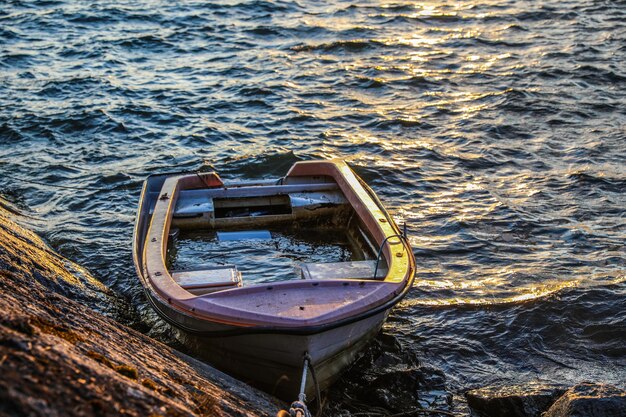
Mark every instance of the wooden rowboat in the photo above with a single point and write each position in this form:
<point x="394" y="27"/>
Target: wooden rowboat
<point x="261" y="331"/>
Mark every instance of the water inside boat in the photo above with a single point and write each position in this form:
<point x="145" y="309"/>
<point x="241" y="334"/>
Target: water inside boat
<point x="224" y="236"/>
<point x="267" y="255"/>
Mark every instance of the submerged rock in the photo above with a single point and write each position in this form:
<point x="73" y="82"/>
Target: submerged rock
<point x="395" y="390"/>
<point x="589" y="400"/>
<point x="528" y="400"/>
<point x="61" y="358"/>
<point x="388" y="380"/>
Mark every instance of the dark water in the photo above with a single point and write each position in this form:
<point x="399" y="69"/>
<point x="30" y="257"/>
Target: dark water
<point x="496" y="130"/>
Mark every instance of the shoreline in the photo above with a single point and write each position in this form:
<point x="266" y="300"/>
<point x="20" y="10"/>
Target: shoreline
<point x="62" y="354"/>
<point x="60" y="357"/>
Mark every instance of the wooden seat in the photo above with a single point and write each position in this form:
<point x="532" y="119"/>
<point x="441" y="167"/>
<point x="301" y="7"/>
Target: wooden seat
<point x="207" y="279"/>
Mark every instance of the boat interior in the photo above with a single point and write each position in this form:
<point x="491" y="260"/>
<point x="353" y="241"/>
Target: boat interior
<point x="240" y="234"/>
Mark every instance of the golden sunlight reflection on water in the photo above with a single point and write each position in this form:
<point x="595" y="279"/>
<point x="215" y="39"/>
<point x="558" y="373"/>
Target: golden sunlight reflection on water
<point x="485" y="294"/>
<point x="472" y="200"/>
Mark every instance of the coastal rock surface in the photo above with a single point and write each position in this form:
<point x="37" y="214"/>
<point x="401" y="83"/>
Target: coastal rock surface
<point x="528" y="400"/>
<point x="545" y="400"/>
<point x="590" y="399"/>
<point x="59" y="357"/>
<point x="388" y="380"/>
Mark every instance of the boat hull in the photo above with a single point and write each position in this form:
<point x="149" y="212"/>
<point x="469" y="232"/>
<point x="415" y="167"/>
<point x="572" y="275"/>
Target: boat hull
<point x="262" y="332"/>
<point x="273" y="362"/>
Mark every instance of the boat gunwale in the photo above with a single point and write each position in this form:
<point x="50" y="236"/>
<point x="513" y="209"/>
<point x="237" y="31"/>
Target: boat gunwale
<point x="158" y="301"/>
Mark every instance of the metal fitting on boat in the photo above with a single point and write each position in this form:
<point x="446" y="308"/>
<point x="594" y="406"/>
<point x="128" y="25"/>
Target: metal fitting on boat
<point x="299" y="409"/>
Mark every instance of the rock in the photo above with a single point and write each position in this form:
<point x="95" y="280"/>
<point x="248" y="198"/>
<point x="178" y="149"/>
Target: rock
<point x="61" y="358"/>
<point x="388" y="380"/>
<point x="395" y="390"/>
<point x="23" y="254"/>
<point x="590" y="400"/>
<point x="528" y="400"/>
<point x="401" y="388"/>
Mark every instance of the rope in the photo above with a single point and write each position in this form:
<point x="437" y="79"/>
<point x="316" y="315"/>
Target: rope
<point x="317" y="386"/>
<point x="401" y="235"/>
<point x="298" y="408"/>
<point x="382" y="245"/>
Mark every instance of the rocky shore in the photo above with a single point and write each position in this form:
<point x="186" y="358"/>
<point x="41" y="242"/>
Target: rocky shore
<point x="59" y="356"/>
<point x="388" y="381"/>
<point x="63" y="354"/>
<point x="586" y="399"/>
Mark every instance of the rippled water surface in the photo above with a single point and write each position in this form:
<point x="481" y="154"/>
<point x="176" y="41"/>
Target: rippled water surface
<point x="496" y="130"/>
